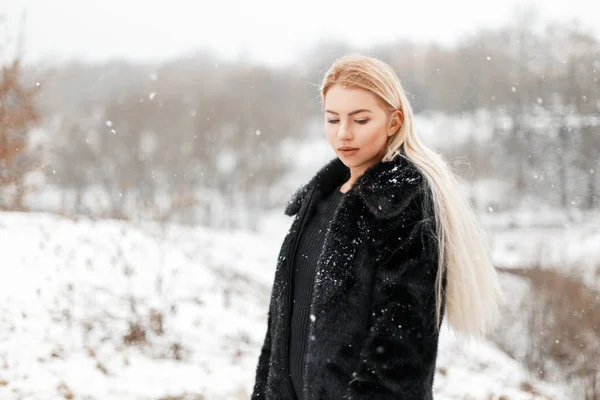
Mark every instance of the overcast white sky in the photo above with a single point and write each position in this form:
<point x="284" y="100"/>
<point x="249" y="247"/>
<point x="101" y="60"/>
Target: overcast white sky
<point x="269" y="30"/>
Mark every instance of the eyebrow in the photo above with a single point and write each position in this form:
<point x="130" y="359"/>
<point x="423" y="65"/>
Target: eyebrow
<point x="350" y="113"/>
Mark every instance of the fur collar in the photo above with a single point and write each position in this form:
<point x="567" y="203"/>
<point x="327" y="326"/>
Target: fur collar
<point x="385" y="188"/>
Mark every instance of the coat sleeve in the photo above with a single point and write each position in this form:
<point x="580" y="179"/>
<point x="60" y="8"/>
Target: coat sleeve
<point x="397" y="358"/>
<point x="262" y="369"/>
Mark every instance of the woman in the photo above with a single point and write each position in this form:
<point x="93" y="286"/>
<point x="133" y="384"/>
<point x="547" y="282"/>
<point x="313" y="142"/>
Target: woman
<point x="382" y="246"/>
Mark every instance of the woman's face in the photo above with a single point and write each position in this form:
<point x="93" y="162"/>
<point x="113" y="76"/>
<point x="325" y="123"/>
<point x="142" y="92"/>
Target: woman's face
<point x="355" y="118"/>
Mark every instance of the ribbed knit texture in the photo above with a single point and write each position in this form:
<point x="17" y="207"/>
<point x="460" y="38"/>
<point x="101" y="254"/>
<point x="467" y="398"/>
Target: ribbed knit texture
<point x="305" y="265"/>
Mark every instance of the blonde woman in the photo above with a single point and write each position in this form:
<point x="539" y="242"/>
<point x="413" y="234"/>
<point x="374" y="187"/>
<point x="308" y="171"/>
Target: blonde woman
<point x="383" y="245"/>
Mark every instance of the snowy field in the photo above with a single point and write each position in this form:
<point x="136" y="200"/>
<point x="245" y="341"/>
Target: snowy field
<point x="114" y="310"/>
<point x="570" y="245"/>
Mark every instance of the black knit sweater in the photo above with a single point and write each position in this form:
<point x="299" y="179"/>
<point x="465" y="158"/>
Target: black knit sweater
<point x="305" y="263"/>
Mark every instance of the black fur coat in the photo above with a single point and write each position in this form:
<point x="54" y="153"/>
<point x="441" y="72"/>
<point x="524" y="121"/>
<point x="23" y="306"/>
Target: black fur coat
<point x="372" y="332"/>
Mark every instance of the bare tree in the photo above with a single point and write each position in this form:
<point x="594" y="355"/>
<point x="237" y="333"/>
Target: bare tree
<point x="18" y="115"/>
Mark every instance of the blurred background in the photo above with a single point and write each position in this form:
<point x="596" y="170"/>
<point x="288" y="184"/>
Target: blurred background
<point x="147" y="150"/>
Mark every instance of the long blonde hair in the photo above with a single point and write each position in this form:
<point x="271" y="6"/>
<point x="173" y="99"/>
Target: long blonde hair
<point x="473" y="290"/>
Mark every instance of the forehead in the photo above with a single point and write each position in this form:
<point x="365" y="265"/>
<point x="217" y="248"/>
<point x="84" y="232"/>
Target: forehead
<point x="340" y="99"/>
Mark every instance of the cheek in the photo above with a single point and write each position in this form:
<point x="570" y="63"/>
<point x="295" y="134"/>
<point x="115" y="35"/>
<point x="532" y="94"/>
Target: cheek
<point x="375" y="133"/>
<point x="331" y="131"/>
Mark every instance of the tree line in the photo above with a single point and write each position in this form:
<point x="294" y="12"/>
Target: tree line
<point x="197" y="139"/>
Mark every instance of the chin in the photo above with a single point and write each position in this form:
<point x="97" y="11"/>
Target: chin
<point x="346" y="160"/>
<point x="351" y="163"/>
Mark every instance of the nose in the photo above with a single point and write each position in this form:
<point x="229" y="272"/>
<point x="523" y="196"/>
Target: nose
<point x="344" y="133"/>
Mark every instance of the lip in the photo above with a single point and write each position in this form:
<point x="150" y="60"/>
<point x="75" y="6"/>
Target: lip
<point x="348" y="151"/>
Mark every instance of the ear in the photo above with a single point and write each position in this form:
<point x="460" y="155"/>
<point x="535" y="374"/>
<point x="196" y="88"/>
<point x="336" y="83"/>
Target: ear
<point x="396" y="121"/>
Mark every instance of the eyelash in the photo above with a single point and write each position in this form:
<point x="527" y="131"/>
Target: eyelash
<point x="358" y="121"/>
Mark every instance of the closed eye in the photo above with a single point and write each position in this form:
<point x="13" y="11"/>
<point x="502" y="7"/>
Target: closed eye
<point x="358" y="121"/>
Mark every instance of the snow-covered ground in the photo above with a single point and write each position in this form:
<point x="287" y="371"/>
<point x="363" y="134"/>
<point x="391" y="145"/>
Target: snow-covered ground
<point x="72" y="290"/>
<point x="527" y="239"/>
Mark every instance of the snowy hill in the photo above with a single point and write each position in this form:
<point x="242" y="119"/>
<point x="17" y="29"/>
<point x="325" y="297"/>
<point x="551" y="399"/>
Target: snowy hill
<point x="114" y="310"/>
